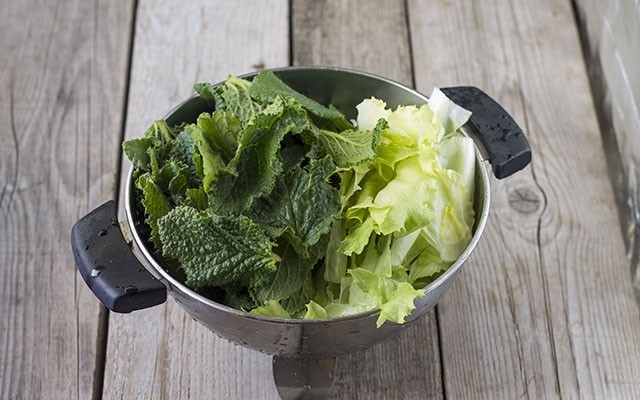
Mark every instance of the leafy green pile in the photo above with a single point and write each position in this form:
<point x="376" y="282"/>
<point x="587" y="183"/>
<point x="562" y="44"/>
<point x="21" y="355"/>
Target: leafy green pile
<point x="286" y="209"/>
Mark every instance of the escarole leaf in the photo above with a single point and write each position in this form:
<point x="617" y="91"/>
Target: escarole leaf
<point x="315" y="311"/>
<point x="272" y="308"/>
<point x="451" y="115"/>
<point x="301" y="207"/>
<point x="266" y="86"/>
<point x="215" y="250"/>
<point x="253" y="170"/>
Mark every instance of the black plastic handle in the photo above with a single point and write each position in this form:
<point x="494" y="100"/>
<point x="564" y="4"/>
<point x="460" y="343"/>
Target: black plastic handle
<point x="108" y="266"/>
<point x="508" y="148"/>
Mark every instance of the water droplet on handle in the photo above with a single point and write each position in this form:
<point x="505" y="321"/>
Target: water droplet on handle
<point x="96" y="270"/>
<point x="103" y="232"/>
<point x="131" y="290"/>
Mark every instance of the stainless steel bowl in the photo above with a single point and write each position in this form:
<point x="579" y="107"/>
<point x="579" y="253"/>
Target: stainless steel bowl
<point x="310" y="345"/>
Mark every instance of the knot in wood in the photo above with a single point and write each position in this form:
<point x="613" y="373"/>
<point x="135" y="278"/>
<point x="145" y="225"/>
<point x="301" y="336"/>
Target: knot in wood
<point x="524" y="200"/>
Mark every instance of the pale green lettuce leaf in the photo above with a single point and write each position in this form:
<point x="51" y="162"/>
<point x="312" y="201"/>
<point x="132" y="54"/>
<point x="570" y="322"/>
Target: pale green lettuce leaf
<point x="335" y="262"/>
<point x="451" y="115"/>
<point x="416" y="123"/>
<point x="348" y="147"/>
<point x="401" y="206"/>
<point x="451" y="209"/>
<point x="400" y="304"/>
<point x="458" y="153"/>
<point x="402" y="246"/>
<point x="395" y="299"/>
<point x="350" y="181"/>
<point x="271" y="308"/>
<point x="427" y="265"/>
<point x="370" y="111"/>
<point x="315" y="311"/>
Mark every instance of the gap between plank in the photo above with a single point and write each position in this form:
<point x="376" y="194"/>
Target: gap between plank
<point x="407" y="22"/>
<point x="103" y="317"/>
<point x="407" y="19"/>
<point x="290" y="26"/>
<point x="440" y="352"/>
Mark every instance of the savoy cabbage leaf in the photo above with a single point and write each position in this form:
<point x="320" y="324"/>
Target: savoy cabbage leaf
<point x="215" y="250"/>
<point x="301" y="207"/>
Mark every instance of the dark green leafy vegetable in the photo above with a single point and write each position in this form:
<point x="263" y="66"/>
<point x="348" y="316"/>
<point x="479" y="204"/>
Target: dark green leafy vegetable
<point x="136" y="151"/>
<point x="301" y="207"/>
<point x="292" y="284"/>
<point x="221" y="129"/>
<point x="233" y="95"/>
<point x="183" y="151"/>
<point x="252" y="172"/>
<point x="266" y="87"/>
<point x="155" y="204"/>
<point x="216" y="250"/>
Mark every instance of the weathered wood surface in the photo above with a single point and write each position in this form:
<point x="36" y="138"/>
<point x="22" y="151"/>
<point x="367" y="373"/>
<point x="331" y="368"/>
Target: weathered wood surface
<point x="545" y="307"/>
<point x="371" y="36"/>
<point x="63" y="71"/>
<point x="161" y="353"/>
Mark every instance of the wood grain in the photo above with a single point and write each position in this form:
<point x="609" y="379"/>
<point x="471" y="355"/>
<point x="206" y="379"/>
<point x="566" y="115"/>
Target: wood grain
<point x="545" y="307"/>
<point x="161" y="353"/>
<point x="366" y="35"/>
<point x="62" y="84"/>
<point x="371" y="36"/>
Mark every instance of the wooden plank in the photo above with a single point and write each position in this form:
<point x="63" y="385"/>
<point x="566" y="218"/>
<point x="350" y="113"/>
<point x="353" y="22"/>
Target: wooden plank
<point x="371" y="36"/>
<point x="162" y="353"/>
<point x="366" y="35"/>
<point x="545" y="308"/>
<point x="62" y="82"/>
